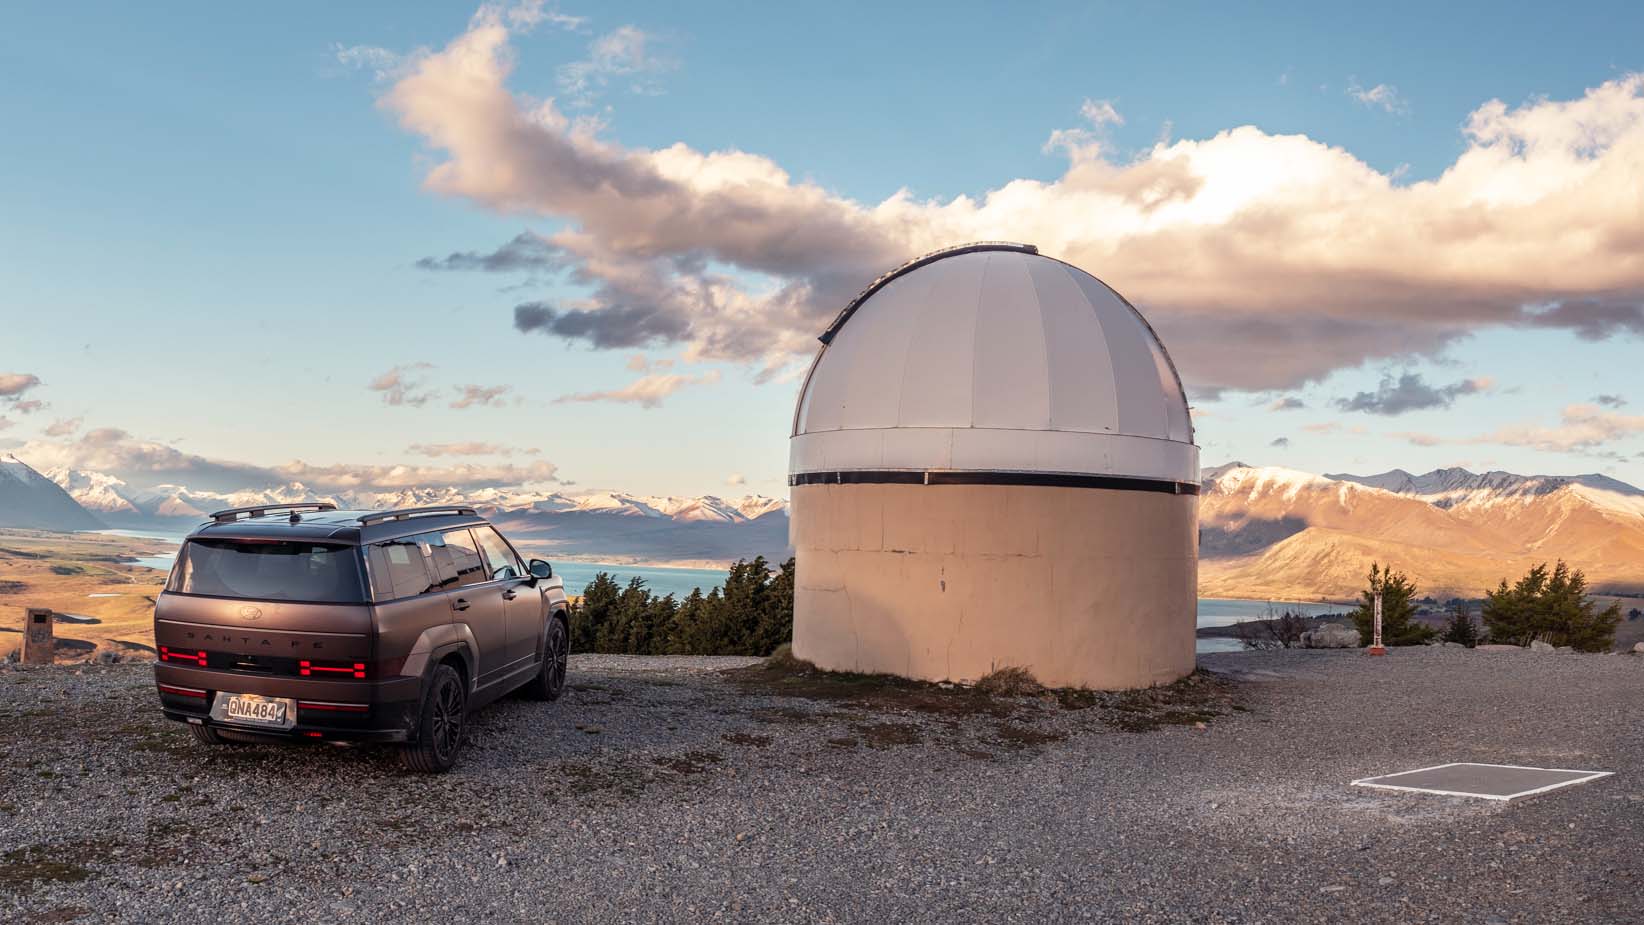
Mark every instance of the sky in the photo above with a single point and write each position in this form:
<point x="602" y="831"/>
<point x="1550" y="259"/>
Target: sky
<point x="591" y="246"/>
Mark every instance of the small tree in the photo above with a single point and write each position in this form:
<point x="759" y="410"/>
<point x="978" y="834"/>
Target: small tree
<point x="1278" y="631"/>
<point x="1461" y="629"/>
<point x="1398" y="624"/>
<point x="1550" y="605"/>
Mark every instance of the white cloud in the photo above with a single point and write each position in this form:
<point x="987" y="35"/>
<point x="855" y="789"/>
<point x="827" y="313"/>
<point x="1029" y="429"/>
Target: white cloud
<point x="647" y="391"/>
<point x="146" y="463"/>
<point x="1382" y="96"/>
<point x="480" y="396"/>
<point x="1266" y="261"/>
<point x="736" y="480"/>
<point x="1581" y="428"/>
<point x="402" y="386"/>
<point x="627" y="54"/>
<point x="63" y="427"/>
<point x="381" y="62"/>
<point x="469" y="448"/>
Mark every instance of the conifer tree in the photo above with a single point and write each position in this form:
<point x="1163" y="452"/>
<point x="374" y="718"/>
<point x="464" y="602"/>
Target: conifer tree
<point x="1398" y="624"/>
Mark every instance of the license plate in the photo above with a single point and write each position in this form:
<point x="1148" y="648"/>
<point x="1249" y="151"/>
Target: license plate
<point x="256" y="710"/>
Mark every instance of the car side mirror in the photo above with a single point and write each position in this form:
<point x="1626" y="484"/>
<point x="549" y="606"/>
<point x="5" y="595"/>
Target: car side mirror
<point x="541" y="569"/>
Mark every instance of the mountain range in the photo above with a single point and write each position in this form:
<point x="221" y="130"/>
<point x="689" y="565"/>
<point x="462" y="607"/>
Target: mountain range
<point x="1264" y="531"/>
<point x="1281" y="534"/>
<point x="606" y="526"/>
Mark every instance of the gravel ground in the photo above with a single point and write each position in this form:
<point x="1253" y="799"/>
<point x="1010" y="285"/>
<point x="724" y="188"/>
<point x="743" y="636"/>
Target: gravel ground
<point x="686" y="789"/>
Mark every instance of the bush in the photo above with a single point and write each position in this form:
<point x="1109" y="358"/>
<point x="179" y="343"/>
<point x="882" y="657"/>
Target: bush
<point x="1461" y="629"/>
<point x="1398" y="615"/>
<point x="752" y="614"/>
<point x="1552" y="606"/>
<point x="1281" y="631"/>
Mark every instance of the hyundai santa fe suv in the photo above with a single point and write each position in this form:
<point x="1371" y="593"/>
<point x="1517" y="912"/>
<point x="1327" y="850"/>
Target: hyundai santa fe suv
<point x="303" y="622"/>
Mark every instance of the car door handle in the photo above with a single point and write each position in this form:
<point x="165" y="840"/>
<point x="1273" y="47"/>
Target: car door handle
<point x="461" y="604"/>
<point x="510" y="594"/>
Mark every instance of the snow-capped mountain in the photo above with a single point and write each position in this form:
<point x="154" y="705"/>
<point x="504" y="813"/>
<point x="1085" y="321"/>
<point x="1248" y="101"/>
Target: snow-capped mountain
<point x="29" y="499"/>
<point x="1268" y="531"/>
<point x="607" y="525"/>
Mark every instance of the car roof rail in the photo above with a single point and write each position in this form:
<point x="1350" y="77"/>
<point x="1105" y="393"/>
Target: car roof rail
<point x="407" y="512"/>
<point x="258" y="510"/>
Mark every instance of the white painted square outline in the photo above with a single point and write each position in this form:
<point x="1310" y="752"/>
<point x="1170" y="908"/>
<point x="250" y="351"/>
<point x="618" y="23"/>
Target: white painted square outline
<point x="1588" y="776"/>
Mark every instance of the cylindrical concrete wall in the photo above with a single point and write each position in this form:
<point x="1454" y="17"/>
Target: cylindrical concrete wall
<point x="1083" y="587"/>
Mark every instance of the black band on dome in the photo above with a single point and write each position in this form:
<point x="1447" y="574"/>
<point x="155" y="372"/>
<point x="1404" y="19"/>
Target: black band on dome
<point x="950" y="477"/>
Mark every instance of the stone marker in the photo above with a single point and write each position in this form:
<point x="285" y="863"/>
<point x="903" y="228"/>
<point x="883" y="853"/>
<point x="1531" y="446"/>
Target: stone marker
<point x="39" y="646"/>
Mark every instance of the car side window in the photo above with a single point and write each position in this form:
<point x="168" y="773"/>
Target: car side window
<point x="465" y="558"/>
<point x="442" y="573"/>
<point x="501" y="559"/>
<point x="398" y="569"/>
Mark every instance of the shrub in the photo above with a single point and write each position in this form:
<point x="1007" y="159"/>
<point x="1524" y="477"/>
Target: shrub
<point x="1552" y="606"/>
<point x="1278" y="631"/>
<point x="752" y="614"/>
<point x="1461" y="629"/>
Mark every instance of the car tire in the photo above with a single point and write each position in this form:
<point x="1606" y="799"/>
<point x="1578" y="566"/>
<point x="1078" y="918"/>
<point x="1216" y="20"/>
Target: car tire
<point x="549" y="682"/>
<point x="205" y="735"/>
<point x="440" y="724"/>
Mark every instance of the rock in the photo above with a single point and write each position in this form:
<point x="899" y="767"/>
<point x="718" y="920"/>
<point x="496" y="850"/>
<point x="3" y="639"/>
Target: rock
<point x="1539" y="646"/>
<point x="1638" y="648"/>
<point x="108" y="657"/>
<point x="1331" y="636"/>
<point x="1565" y="649"/>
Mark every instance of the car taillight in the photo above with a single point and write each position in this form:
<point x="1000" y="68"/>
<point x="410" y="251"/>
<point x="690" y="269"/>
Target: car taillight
<point x="181" y="691"/>
<point x="308" y="668"/>
<point x="196" y="657"/>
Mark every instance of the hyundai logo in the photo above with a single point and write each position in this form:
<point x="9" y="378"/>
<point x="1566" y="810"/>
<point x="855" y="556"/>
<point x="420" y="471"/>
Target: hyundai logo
<point x="250" y="613"/>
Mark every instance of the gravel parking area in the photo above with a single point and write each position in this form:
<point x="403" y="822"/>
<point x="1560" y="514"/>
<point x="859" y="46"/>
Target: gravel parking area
<point x="664" y="790"/>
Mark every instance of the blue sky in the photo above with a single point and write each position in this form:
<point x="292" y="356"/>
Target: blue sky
<point x="213" y="222"/>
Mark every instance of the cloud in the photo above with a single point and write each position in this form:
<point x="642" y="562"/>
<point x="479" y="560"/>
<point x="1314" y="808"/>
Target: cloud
<point x="1409" y="392"/>
<point x="527" y="252"/>
<point x="648" y="391"/>
<point x="1085" y="144"/>
<point x="626" y="54"/>
<point x="472" y="396"/>
<point x="1581" y="428"/>
<point x="6" y="422"/>
<point x="1266" y="261"/>
<point x="401" y="385"/>
<point x="382" y="63"/>
<point x="1323" y="427"/>
<point x="1609" y="401"/>
<point x="607" y="327"/>
<point x="466" y="449"/>
<point x="62" y="427"/>
<point x="1280" y="442"/>
<point x="1382" y="96"/>
<point x="13" y="385"/>
<point x="736" y="480"/>
<point x="640" y="363"/>
<point x="1288" y="403"/>
<point x="146" y="464"/>
<point x="28" y="406"/>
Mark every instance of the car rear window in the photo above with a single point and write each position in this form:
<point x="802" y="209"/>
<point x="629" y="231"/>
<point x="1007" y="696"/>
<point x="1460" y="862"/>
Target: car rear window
<point x="269" y="571"/>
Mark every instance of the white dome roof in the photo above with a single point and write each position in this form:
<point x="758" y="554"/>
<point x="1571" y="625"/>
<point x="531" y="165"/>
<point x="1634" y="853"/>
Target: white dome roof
<point x="992" y="358"/>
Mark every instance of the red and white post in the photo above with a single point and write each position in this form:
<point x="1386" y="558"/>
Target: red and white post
<point x="1376" y="648"/>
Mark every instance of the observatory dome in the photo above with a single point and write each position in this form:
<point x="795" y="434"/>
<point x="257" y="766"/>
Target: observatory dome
<point x="991" y="358"/>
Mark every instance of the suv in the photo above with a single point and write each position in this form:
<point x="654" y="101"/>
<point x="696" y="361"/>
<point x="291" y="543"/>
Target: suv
<point x="300" y="621"/>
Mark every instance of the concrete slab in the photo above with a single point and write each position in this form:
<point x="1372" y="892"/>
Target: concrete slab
<point x="1484" y="781"/>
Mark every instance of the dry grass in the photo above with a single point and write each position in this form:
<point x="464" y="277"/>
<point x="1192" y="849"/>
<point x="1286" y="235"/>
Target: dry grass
<point x="61" y="571"/>
<point x="1010" y="682"/>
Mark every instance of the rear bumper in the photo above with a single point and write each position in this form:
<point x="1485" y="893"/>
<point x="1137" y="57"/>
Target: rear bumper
<point x="372" y="711"/>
